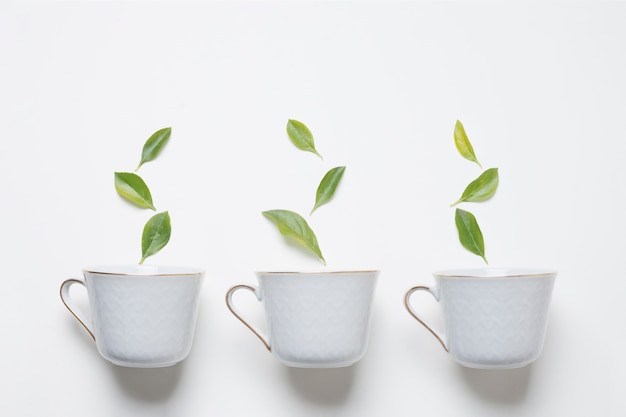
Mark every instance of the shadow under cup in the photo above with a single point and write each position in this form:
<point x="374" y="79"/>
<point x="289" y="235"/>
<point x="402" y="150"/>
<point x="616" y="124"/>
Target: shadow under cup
<point x="141" y="316"/>
<point x="493" y="318"/>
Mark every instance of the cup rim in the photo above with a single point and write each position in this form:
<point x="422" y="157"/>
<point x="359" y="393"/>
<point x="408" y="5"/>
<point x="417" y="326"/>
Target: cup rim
<point x="143" y="270"/>
<point x="309" y="273"/>
<point x="495" y="272"/>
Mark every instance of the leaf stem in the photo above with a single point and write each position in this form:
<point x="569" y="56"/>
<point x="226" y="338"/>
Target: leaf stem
<point x="460" y="200"/>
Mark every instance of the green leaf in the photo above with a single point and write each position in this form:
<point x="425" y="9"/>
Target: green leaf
<point x="156" y="234"/>
<point x="301" y="136"/>
<point x="482" y="188"/>
<point x="469" y="233"/>
<point x="463" y="144"/>
<point x="154" y="144"/>
<point x="293" y="225"/>
<point x="327" y="187"/>
<point x="131" y="187"/>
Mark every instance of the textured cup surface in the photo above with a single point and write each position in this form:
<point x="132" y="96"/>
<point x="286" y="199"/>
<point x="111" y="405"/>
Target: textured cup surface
<point x="143" y="316"/>
<point x="319" y="320"/>
<point x="494" y="318"/>
<point x="314" y="319"/>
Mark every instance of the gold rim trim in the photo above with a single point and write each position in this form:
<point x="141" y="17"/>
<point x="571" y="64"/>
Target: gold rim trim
<point x="367" y="271"/>
<point x="452" y="274"/>
<point x="147" y="274"/>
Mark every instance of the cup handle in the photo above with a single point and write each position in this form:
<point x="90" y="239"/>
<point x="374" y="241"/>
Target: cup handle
<point x="407" y="303"/>
<point x="72" y="307"/>
<point x="229" y="302"/>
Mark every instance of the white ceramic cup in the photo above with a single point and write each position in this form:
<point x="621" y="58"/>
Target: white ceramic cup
<point x="141" y="316"/>
<point x="493" y="318"/>
<point x="314" y="319"/>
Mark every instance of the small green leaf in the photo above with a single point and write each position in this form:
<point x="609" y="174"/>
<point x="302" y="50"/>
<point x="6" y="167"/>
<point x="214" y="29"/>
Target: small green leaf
<point x="156" y="234"/>
<point x="293" y="225"/>
<point x="301" y="136"/>
<point x="469" y="233"/>
<point x="154" y="144"/>
<point x="482" y="188"/>
<point x="131" y="187"/>
<point x="463" y="144"/>
<point x="327" y="187"/>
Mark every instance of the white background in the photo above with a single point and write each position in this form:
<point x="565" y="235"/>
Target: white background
<point x="540" y="89"/>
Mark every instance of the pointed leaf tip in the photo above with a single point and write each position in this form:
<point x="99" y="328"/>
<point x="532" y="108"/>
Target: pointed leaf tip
<point x="328" y="186"/>
<point x="293" y="225"/>
<point x="301" y="136"/>
<point x="133" y="189"/>
<point x="156" y="234"/>
<point x="470" y="234"/>
<point x="482" y="188"/>
<point x="153" y="146"/>
<point x="463" y="144"/>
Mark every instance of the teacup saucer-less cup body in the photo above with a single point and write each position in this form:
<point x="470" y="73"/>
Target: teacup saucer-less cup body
<point x="314" y="319"/>
<point x="141" y="316"/>
<point x="493" y="317"/>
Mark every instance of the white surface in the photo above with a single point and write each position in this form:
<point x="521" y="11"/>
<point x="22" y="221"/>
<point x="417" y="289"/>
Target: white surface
<point x="539" y="88"/>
